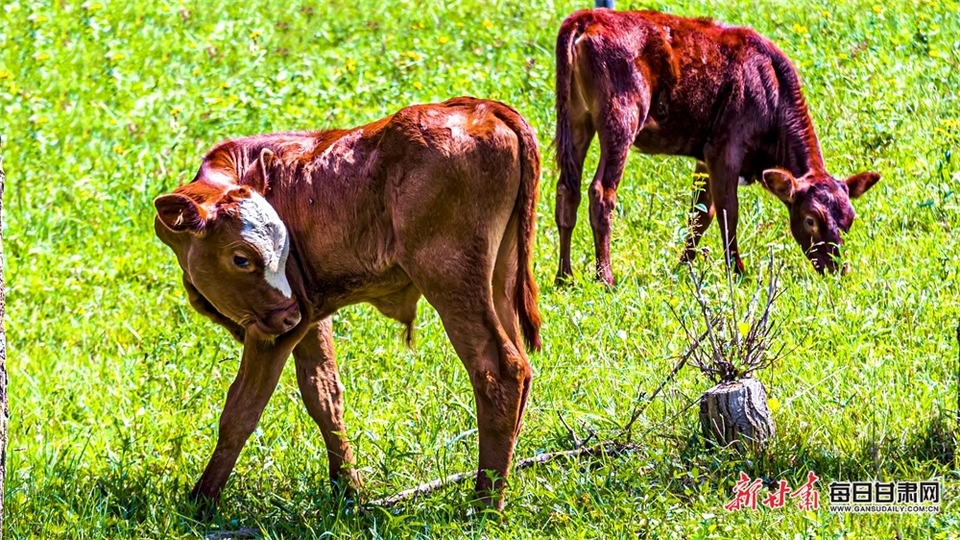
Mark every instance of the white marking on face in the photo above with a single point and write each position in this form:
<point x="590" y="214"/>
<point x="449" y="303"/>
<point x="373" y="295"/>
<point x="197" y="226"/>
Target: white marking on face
<point x="264" y="230"/>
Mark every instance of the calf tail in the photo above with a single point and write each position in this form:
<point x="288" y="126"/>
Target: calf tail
<point x="526" y="291"/>
<point x="563" y="139"/>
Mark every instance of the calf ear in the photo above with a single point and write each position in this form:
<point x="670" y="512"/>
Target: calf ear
<point x="257" y="177"/>
<point x="179" y="213"/>
<point x="858" y="184"/>
<point x="781" y="183"/>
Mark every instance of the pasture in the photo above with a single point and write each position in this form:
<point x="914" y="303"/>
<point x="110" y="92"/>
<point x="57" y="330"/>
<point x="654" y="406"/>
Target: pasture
<point x="116" y="385"/>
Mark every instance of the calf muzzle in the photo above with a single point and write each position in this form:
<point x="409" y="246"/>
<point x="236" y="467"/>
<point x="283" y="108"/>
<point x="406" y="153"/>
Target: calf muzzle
<point x="279" y="321"/>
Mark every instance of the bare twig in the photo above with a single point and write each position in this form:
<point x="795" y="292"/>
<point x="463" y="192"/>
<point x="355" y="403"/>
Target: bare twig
<point x="422" y="489"/>
<point x="641" y="405"/>
<point x="736" y="352"/>
<point x="577" y="443"/>
<point x="239" y="533"/>
<point x="606" y="448"/>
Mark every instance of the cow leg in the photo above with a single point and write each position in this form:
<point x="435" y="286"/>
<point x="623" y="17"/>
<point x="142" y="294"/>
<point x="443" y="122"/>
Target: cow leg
<point x="322" y="394"/>
<point x="499" y="372"/>
<point x="699" y="219"/>
<point x="568" y="187"/>
<point x="504" y="293"/>
<point x="616" y="132"/>
<point x="260" y="369"/>
<point x="724" y="166"/>
<point x="500" y="375"/>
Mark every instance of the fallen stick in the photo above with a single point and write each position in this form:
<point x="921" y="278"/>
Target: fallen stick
<point x="606" y="448"/>
<point x="241" y="533"/>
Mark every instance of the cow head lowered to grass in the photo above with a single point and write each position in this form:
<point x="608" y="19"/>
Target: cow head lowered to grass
<point x="277" y="232"/>
<point x="723" y="95"/>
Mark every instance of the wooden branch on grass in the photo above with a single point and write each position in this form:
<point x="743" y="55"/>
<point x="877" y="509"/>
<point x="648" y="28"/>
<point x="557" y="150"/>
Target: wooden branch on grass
<point x="627" y="432"/>
<point x="606" y="448"/>
<point x="239" y="533"/>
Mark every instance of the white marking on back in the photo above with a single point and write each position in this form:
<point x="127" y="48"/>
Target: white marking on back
<point x="264" y="230"/>
<point x="455" y="122"/>
<point x="341" y="153"/>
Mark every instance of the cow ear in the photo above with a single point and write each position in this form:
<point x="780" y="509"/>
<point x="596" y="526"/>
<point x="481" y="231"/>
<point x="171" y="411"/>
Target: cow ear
<point x="859" y="183"/>
<point x="257" y="177"/>
<point x="781" y="183"/>
<point x="180" y="213"/>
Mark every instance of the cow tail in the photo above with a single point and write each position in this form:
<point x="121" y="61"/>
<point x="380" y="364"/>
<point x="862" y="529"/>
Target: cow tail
<point x="563" y="139"/>
<point x="526" y="291"/>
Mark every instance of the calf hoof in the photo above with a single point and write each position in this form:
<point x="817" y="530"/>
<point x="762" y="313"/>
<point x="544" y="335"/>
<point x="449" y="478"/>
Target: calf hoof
<point x="488" y="491"/>
<point x="605" y="276"/>
<point x="202" y="508"/>
<point x="690" y="254"/>
<point x="347" y="485"/>
<point x="738" y="267"/>
<point x="564" y="276"/>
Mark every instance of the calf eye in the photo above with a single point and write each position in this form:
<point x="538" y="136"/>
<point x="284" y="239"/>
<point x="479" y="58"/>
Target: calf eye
<point x="241" y="262"/>
<point x="809" y="222"/>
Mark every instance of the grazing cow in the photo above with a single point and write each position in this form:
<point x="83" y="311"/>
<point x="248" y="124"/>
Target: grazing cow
<point x="277" y="232"/>
<point x="725" y="96"/>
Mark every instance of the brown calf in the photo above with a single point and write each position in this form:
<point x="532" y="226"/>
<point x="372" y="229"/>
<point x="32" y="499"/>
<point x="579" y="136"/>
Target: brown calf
<point x="724" y="96"/>
<point x="277" y="232"/>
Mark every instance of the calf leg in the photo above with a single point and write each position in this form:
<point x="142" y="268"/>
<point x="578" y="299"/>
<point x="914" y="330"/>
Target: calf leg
<point x="724" y="165"/>
<point x="260" y="369"/>
<point x="616" y="131"/>
<point x="504" y="289"/>
<point x="571" y="160"/>
<point x="700" y="215"/>
<point x="322" y="394"/>
<point x="500" y="375"/>
<point x="499" y="372"/>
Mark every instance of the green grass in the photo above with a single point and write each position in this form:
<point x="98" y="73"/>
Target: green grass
<point x="116" y="385"/>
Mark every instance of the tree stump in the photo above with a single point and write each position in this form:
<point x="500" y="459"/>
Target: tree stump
<point x="736" y="413"/>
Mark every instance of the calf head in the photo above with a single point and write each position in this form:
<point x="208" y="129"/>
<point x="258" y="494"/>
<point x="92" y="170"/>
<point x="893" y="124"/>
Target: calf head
<point x="233" y="247"/>
<point x="820" y="209"/>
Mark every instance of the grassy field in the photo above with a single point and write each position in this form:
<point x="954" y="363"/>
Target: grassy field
<point x="116" y="385"/>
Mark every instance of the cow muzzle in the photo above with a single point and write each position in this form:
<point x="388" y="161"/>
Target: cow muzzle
<point x="279" y="321"/>
<point x="825" y="258"/>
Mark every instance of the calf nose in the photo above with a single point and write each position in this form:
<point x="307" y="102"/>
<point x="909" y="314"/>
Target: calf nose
<point x="283" y="319"/>
<point x="291" y="316"/>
